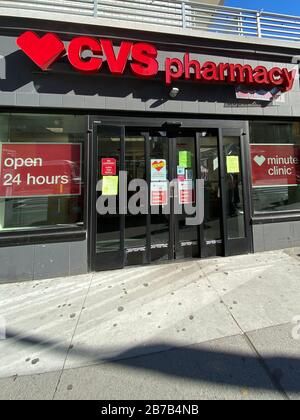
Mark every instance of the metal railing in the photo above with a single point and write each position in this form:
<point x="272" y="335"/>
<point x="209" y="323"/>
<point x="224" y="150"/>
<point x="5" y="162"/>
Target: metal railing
<point x="187" y="14"/>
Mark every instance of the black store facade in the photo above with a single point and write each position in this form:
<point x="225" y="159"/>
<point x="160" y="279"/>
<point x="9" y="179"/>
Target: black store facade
<point x="63" y="128"/>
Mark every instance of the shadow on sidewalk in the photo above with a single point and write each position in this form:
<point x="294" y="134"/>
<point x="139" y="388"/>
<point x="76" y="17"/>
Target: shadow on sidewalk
<point x="201" y="363"/>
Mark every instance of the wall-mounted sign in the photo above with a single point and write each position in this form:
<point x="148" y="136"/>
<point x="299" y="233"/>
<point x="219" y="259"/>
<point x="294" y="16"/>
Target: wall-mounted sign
<point x="108" y="167"/>
<point x="254" y="94"/>
<point x="275" y="165"/>
<point x="158" y="170"/>
<point x="159" y="193"/>
<point x="40" y="169"/>
<point x="141" y="59"/>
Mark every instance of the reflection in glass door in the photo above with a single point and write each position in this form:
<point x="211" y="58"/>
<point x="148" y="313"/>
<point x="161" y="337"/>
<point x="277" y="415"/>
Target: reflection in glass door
<point x="186" y="237"/>
<point x="234" y="188"/>
<point x="159" y="164"/>
<point x="236" y="212"/>
<point x="108" y="229"/>
<point x="135" y="223"/>
<point x="212" y="240"/>
<point x="162" y="159"/>
<point x="226" y="228"/>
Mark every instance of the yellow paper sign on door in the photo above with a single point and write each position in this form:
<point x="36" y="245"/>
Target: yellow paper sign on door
<point x="185" y="159"/>
<point x="110" y="185"/>
<point x="233" y="164"/>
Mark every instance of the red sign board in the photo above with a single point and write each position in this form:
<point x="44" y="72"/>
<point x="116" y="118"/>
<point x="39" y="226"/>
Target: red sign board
<point x="275" y="165"/>
<point x="40" y="169"/>
<point x="109" y="167"/>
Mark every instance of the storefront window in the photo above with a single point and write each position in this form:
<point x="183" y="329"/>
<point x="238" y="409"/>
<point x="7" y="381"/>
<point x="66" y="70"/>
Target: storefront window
<point x="42" y="181"/>
<point x="275" y="160"/>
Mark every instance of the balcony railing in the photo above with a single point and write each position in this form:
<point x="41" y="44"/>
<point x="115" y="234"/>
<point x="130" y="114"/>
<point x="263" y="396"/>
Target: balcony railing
<point x="186" y="14"/>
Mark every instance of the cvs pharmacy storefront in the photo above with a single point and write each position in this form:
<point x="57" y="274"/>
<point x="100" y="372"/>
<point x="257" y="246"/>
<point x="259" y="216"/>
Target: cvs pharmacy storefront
<point x="137" y="148"/>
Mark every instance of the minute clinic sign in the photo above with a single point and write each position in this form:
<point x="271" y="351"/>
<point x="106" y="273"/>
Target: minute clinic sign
<point x="275" y="165"/>
<point x="89" y="55"/>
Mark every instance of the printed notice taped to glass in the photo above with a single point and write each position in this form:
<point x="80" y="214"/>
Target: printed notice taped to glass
<point x="233" y="164"/>
<point x="110" y="185"/>
<point x="185" y="159"/>
<point x="158" y="170"/>
<point x="159" y="193"/>
<point x="186" y="192"/>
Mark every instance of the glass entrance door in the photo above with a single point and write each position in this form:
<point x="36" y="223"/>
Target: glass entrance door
<point x="186" y="172"/>
<point x="212" y="243"/>
<point x="226" y="227"/>
<point x="235" y="199"/>
<point x="144" y="176"/>
<point x="160" y="158"/>
<point x="107" y="216"/>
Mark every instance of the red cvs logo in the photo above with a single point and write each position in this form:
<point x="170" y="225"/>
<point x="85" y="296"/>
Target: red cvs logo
<point x="43" y="51"/>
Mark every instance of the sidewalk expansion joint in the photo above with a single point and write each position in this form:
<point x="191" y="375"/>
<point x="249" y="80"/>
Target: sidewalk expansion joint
<point x="260" y="359"/>
<point x="73" y="335"/>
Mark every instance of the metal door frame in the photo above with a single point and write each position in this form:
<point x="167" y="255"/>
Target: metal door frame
<point x="108" y="259"/>
<point x="240" y="245"/>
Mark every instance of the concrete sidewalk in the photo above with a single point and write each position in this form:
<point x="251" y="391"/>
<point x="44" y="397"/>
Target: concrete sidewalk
<point x="200" y="329"/>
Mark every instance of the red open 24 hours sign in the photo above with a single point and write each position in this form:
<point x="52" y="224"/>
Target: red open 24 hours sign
<point x="40" y="169"/>
<point x="275" y="165"/>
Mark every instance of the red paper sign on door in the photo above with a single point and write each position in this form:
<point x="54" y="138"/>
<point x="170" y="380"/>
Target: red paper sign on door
<point x="275" y="165"/>
<point x="109" y="167"/>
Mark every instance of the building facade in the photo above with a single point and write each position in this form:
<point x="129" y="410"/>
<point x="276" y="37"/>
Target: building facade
<point x="87" y="97"/>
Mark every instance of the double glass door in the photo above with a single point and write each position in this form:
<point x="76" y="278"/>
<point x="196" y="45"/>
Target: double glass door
<point x="169" y="235"/>
<point x="146" y="182"/>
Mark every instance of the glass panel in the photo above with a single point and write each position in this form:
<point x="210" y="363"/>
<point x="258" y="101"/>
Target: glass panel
<point x="108" y="226"/>
<point x="185" y="152"/>
<point x="212" y="193"/>
<point x="234" y="187"/>
<point x="42" y="168"/>
<point x="159" y="149"/>
<point x="279" y="140"/>
<point x="135" y="165"/>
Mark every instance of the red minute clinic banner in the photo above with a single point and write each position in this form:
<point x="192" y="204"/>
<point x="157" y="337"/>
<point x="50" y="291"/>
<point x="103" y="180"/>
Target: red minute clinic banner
<point x="40" y="169"/>
<point x="275" y="165"/>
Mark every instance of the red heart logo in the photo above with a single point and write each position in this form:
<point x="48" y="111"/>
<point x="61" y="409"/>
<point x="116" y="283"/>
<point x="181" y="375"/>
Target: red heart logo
<point x="158" y="165"/>
<point x="42" y="51"/>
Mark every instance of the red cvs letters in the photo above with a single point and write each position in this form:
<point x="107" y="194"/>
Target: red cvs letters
<point x="90" y="55"/>
<point x="143" y="56"/>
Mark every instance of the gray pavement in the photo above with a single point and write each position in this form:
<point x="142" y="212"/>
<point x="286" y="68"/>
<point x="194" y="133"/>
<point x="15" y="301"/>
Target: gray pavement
<point x="202" y="329"/>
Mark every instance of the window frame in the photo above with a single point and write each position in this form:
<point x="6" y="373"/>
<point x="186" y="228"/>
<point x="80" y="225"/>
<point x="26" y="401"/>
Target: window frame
<point x="54" y="234"/>
<point x="268" y="216"/>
